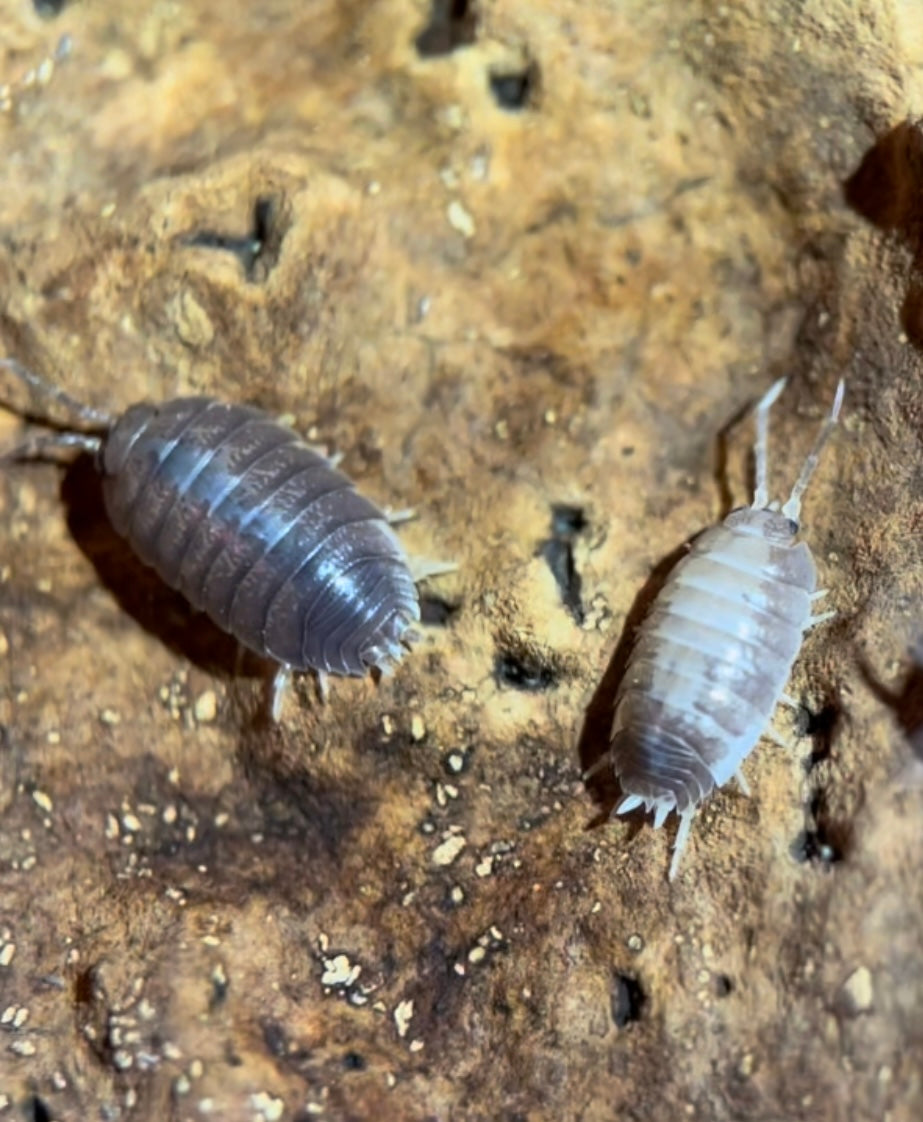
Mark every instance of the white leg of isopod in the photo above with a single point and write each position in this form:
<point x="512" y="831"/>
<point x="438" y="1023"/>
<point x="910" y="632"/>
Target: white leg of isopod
<point x="409" y="637"/>
<point x="661" y="810"/>
<point x="422" y="568"/>
<point x="323" y="686"/>
<point x="787" y="699"/>
<point x="682" y="839"/>
<point x="742" y="783"/>
<point x="819" y="594"/>
<point x="595" y="769"/>
<point x="396" y="517"/>
<point x="628" y="804"/>
<point x="280" y="684"/>
<point x="822" y="618"/>
<point x="777" y="738"/>
<point x="38" y="447"/>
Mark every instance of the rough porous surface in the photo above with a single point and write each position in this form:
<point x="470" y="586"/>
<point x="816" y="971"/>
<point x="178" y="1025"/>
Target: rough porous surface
<point x="525" y="266"/>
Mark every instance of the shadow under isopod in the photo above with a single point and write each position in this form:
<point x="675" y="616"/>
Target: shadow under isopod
<point x="906" y="703"/>
<point x="138" y="590"/>
<point x="593" y="741"/>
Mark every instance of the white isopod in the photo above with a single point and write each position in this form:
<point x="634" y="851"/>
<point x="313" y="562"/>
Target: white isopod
<point x="715" y="651"/>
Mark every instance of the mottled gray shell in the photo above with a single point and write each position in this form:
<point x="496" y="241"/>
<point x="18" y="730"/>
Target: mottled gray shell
<point x="711" y="659"/>
<point x="260" y="532"/>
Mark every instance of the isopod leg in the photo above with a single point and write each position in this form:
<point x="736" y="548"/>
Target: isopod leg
<point x="682" y="838"/>
<point x="323" y="686"/>
<point x="742" y="783"/>
<point x="280" y="683"/>
<point x="38" y="447"/>
<point x="396" y="517"/>
<point x="596" y="768"/>
<point x="787" y="699"/>
<point x="421" y="568"/>
<point x="822" y="618"/>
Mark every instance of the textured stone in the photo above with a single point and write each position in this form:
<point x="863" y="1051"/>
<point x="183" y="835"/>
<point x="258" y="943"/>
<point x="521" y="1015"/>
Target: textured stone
<point x="523" y="268"/>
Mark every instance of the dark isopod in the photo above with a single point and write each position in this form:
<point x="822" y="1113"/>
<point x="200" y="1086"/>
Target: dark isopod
<point x="253" y="526"/>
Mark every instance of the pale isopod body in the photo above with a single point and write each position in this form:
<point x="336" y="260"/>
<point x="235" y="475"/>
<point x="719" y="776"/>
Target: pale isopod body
<point x="253" y="527"/>
<point x="714" y="653"/>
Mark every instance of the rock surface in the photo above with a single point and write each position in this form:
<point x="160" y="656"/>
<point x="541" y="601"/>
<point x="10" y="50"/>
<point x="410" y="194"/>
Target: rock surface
<point x="525" y="266"/>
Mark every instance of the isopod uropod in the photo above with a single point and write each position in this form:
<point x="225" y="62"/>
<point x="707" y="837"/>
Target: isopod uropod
<point x="253" y="526"/>
<point x="714" y="653"/>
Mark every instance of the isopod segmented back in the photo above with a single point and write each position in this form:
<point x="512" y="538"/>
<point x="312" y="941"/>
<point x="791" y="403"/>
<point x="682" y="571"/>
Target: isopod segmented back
<point x="712" y="658"/>
<point x="254" y="527"/>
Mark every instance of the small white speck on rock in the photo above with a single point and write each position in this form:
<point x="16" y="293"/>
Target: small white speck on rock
<point x="857" y="993"/>
<point x="402" y="1014"/>
<point x="447" y="851"/>
<point x="460" y="219"/>
<point x="205" y="709"/>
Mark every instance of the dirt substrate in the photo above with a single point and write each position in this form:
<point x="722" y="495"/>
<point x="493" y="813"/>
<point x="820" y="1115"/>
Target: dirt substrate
<point x="524" y="266"/>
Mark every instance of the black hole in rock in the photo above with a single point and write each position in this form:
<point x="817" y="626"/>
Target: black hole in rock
<point x="436" y="612"/>
<point x="525" y="671"/>
<point x="559" y="556"/>
<point x="723" y="985"/>
<point x="567" y="521"/>
<point x="557" y="551"/>
<point x="274" y="1038"/>
<point x="820" y="727"/>
<point x="48" y="9"/>
<point x="354" y="1061"/>
<point x="627" y="999"/>
<point x="84" y="987"/>
<point x="220" y="987"/>
<point x="823" y="841"/>
<point x="514" y="89"/>
<point x="257" y="250"/>
<point x="36" y="1111"/>
<point x="452" y="24"/>
<point x="812" y="846"/>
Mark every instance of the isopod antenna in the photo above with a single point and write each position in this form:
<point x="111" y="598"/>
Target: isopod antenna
<point x="761" y="450"/>
<point x="792" y="507"/>
<point x="81" y="417"/>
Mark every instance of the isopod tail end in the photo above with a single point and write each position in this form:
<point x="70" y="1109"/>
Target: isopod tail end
<point x="682" y="838"/>
<point x="627" y="805"/>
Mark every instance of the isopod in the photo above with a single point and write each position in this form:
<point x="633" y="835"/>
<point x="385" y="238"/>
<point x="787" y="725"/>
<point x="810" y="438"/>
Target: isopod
<point x="253" y="526"/>
<point x="712" y="657"/>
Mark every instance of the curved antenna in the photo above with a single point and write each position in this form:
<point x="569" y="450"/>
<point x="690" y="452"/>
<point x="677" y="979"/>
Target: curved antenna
<point x="761" y="448"/>
<point x="86" y="414"/>
<point x="792" y="507"/>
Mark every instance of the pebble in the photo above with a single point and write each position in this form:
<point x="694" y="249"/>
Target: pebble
<point x="206" y="707"/>
<point x="42" y="800"/>
<point x="460" y="219"/>
<point x="857" y="991"/>
<point x="402" y="1014"/>
<point x="446" y="852"/>
<point x="269" y="1108"/>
